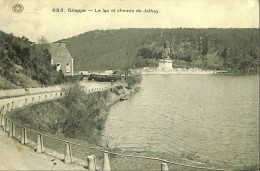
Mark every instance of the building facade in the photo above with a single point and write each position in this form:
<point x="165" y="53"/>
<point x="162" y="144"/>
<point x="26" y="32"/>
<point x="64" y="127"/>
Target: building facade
<point x="61" y="57"/>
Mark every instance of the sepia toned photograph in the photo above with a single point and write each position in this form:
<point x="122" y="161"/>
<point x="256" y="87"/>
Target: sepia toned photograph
<point x="143" y="85"/>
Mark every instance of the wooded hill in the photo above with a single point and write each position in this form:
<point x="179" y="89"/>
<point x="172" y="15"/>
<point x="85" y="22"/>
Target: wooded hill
<point x="229" y="49"/>
<point x="23" y="64"/>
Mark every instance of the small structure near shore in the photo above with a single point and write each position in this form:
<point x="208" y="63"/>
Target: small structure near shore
<point x="165" y="64"/>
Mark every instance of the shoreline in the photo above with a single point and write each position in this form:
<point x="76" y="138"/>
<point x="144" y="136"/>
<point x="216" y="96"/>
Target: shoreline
<point x="194" y="160"/>
<point x="199" y="73"/>
<point x="124" y="163"/>
<point x="124" y="92"/>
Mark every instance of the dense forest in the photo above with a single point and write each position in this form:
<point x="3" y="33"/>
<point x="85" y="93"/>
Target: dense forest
<point x="22" y="63"/>
<point x="227" y="49"/>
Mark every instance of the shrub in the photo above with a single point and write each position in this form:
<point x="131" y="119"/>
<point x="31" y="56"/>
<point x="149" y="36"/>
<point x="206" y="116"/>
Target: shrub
<point x="133" y="80"/>
<point x="119" y="87"/>
<point x="87" y="112"/>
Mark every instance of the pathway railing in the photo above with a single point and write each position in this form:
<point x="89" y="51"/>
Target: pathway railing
<point x="42" y="143"/>
<point x="71" y="152"/>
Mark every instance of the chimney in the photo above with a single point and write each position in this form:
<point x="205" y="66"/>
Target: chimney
<point x="62" y="43"/>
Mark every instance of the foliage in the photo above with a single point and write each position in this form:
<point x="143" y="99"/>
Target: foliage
<point x="116" y="91"/>
<point x="86" y="112"/>
<point x="236" y="49"/>
<point x="119" y="87"/>
<point x="19" y="55"/>
<point x="5" y="84"/>
<point x="133" y="80"/>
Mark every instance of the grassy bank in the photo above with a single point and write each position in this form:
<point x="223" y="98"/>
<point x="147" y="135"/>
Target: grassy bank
<point x="77" y="115"/>
<point x="79" y="118"/>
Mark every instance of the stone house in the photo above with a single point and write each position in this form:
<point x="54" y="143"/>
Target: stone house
<point x="61" y="57"/>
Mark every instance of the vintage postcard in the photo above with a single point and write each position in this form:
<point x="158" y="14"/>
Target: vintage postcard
<point x="129" y="85"/>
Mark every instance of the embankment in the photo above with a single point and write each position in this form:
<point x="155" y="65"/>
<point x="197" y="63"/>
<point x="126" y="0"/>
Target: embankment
<point x="78" y="118"/>
<point x="77" y="115"/>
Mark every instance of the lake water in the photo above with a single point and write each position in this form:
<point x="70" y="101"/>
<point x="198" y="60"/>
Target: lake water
<point x="216" y="116"/>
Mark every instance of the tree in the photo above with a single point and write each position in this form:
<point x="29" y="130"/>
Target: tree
<point x="224" y="53"/>
<point x="133" y="80"/>
<point x="43" y="44"/>
<point x="205" y="46"/>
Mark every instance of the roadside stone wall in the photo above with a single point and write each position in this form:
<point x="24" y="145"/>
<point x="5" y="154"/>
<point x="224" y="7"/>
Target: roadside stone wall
<point x="13" y="92"/>
<point x="21" y="92"/>
<point x="8" y="104"/>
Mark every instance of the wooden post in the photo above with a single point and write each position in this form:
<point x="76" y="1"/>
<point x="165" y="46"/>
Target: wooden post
<point x="10" y="130"/>
<point x="91" y="163"/>
<point x="24" y="136"/>
<point x="13" y="129"/>
<point x="3" y="121"/>
<point x="106" y="164"/>
<point x="164" y="167"/>
<point x="67" y="153"/>
<point x="40" y="147"/>
<point x="6" y="125"/>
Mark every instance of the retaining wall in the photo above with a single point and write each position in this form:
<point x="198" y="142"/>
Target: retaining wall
<point x="14" y="92"/>
<point x="22" y="92"/>
<point x="6" y="105"/>
<point x="37" y="95"/>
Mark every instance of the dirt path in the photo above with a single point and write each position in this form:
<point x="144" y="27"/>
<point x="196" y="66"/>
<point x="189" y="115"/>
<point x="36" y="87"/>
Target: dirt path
<point x="14" y="156"/>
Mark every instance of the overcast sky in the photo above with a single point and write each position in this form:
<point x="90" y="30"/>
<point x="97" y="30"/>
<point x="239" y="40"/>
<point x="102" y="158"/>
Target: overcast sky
<point x="37" y="19"/>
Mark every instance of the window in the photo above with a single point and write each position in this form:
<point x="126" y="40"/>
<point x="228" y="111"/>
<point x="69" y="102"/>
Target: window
<point x="58" y="67"/>
<point x="68" y="67"/>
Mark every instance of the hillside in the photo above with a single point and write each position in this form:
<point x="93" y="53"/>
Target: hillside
<point x="23" y="64"/>
<point x="231" y="49"/>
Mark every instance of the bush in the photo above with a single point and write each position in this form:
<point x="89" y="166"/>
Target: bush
<point x="116" y="91"/>
<point x="133" y="80"/>
<point x="119" y="87"/>
<point x="87" y="112"/>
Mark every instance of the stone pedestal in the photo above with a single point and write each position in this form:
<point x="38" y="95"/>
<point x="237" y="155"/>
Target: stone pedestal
<point x="165" y="65"/>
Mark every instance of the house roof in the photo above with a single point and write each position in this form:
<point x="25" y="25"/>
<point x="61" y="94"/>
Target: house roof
<point x="59" y="52"/>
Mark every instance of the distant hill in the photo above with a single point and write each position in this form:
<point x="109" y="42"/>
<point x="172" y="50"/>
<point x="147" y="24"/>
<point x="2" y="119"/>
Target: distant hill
<point x="233" y="49"/>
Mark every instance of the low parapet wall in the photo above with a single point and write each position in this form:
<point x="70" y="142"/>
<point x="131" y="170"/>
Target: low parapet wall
<point x="22" y="92"/>
<point x="37" y="95"/>
<point x="44" y="90"/>
<point x="10" y="93"/>
<point x="6" y="105"/>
